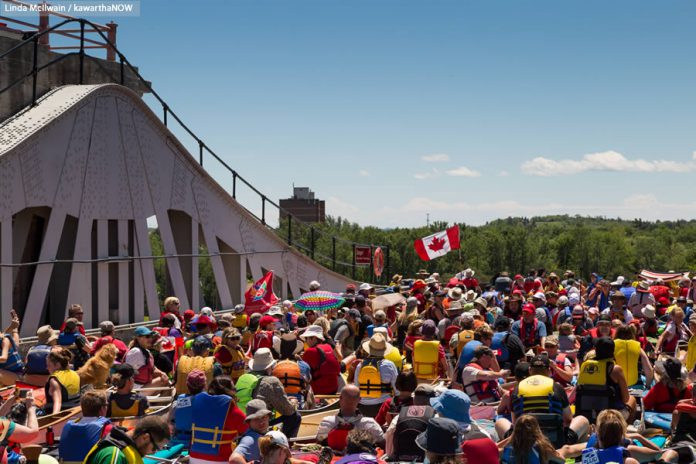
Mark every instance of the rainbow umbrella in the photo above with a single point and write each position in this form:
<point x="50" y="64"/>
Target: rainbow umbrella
<point x="319" y="301"/>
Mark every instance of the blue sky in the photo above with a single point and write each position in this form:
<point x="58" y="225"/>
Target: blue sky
<point x="468" y="111"/>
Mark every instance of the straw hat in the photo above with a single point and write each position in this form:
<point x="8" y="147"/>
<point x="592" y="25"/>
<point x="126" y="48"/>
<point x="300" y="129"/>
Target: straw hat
<point x="455" y="294"/>
<point x="377" y="345"/>
<point x="46" y="335"/>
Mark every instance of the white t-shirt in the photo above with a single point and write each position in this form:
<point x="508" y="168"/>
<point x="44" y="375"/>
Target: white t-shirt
<point x="135" y="358"/>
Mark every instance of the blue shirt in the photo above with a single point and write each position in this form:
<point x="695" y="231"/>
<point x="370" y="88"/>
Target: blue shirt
<point x="468" y="352"/>
<point x="540" y="331"/>
<point x="249" y="446"/>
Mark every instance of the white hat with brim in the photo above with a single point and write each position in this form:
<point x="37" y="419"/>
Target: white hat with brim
<point x="455" y="294"/>
<point x="262" y="360"/>
<point x="313" y="331"/>
<point x="648" y="311"/>
<point x="377" y="345"/>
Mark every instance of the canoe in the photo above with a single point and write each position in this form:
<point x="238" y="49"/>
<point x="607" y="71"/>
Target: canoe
<point x="332" y="405"/>
<point x="159" y="406"/>
<point x="309" y="426"/>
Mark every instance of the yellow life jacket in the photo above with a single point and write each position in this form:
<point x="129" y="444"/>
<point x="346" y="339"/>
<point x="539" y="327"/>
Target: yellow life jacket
<point x="69" y="383"/>
<point x="691" y="354"/>
<point x="425" y="359"/>
<point x="535" y="395"/>
<point x="465" y="336"/>
<point x="593" y="372"/>
<point x="394" y="355"/>
<point x="129" y="452"/>
<point x="240" y="321"/>
<point x="118" y="411"/>
<point x="627" y="355"/>
<point x="370" y="379"/>
<point x="188" y="363"/>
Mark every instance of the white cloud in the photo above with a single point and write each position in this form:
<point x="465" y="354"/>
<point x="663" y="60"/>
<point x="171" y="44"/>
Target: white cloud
<point x="436" y="157"/>
<point x="337" y="207"/>
<point x="604" y="161"/>
<point x="463" y="172"/>
<point x="503" y="174"/>
<point x="432" y="174"/>
<point x="364" y="173"/>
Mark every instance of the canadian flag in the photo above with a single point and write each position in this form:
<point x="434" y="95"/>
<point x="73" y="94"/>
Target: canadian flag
<point x="438" y="244"/>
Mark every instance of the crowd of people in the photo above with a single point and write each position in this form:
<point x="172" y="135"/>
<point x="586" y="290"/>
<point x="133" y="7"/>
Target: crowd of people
<point x="530" y="369"/>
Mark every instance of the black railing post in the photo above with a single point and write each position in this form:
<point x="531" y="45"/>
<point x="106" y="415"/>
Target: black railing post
<point x="354" y="265"/>
<point x="263" y="209"/>
<point x="165" y="110"/>
<point x="311" y="240"/>
<point x="82" y="51"/>
<point x="123" y="73"/>
<point x="34" y="71"/>
<point x="200" y="152"/>
<point x="333" y="253"/>
<point x="289" y="229"/>
<point x="234" y="184"/>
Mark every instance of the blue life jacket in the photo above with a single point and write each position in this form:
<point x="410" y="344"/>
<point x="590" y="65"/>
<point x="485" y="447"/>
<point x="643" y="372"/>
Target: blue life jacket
<point x="499" y="344"/>
<point x="509" y="456"/>
<point x="78" y="437"/>
<point x="36" y="359"/>
<point x="611" y="455"/>
<point x="183" y="418"/>
<point x="371" y="328"/>
<point x="67" y="339"/>
<point x="14" y="360"/>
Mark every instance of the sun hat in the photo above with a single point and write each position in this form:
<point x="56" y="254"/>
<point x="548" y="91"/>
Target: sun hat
<point x="275" y="311"/>
<point x="205" y="320"/>
<point x="256" y="409"/>
<point x="262" y="360"/>
<point x="288" y="345"/>
<point x="442" y="436"/>
<point x="593" y="310"/>
<point x="453" y="404"/>
<point x="552" y="340"/>
<point x="46" y="335"/>
<point x="365" y="286"/>
<point x="481" y="301"/>
<point x="108" y="326"/>
<point x="648" y="311"/>
<point x="672" y="367"/>
<point x="196" y="380"/>
<point x="643" y="287"/>
<point x="418" y="284"/>
<point x="455" y="294"/>
<point x="469" y="272"/>
<point x="313" y="331"/>
<point x="377" y="345"/>
<point x="455" y="305"/>
<point x="618" y="295"/>
<point x="266" y="320"/>
<point x="619" y="281"/>
<point x="573" y="299"/>
<point x="278" y="438"/>
<point x="314" y="285"/>
<point x="142" y="331"/>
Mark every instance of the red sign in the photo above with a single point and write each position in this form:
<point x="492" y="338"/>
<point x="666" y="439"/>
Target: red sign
<point x="363" y="255"/>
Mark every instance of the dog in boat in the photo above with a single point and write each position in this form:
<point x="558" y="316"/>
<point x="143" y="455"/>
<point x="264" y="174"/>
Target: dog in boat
<point x="96" y="371"/>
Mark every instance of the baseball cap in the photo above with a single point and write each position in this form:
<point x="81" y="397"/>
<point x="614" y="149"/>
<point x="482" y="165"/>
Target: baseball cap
<point x="540" y="296"/>
<point x="107" y="326"/>
<point x="578" y="312"/>
<point x="552" y="340"/>
<point x="354" y="313"/>
<point x="196" y="380"/>
<point x="428" y="328"/>
<point x="540" y="361"/>
<point x="528" y="309"/>
<point x="142" y="331"/>
<point x="278" y="438"/>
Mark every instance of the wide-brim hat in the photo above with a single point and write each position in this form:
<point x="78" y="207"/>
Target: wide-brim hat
<point x="454" y="405"/>
<point x="377" y="345"/>
<point x="442" y="436"/>
<point x="46" y="335"/>
<point x="455" y="293"/>
<point x="313" y="331"/>
<point x="262" y="360"/>
<point x="643" y="287"/>
<point x="648" y="311"/>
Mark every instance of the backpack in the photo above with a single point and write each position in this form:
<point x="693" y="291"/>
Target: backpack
<point x="246" y="385"/>
<point x="412" y="421"/>
<point x="337" y="324"/>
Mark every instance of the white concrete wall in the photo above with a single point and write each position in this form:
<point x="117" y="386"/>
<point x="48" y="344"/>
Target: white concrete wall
<point x="98" y="153"/>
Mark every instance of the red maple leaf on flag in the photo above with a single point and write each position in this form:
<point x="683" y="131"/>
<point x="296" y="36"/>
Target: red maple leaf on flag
<point x="437" y="244"/>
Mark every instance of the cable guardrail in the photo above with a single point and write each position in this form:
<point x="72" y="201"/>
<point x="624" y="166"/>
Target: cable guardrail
<point x="285" y="226"/>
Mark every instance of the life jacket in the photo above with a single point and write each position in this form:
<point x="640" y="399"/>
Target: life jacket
<point x="611" y="455"/>
<point x="36" y="360"/>
<point x="69" y="383"/>
<point x="212" y="434"/>
<point x="122" y="442"/>
<point x="528" y="335"/>
<point x="78" y="437"/>
<point x="686" y="427"/>
<point x="337" y="438"/>
<point x="187" y="364"/>
<point x="535" y="395"/>
<point x="464" y="337"/>
<point x="235" y="366"/>
<point x="560" y="362"/>
<point x="147" y="370"/>
<point x="289" y="374"/>
<point x="239" y="321"/>
<point x="325" y="375"/>
<point x="67" y="339"/>
<point x="133" y="408"/>
<point x="412" y="421"/>
<point x="426" y="359"/>
<point x="691" y="354"/>
<point x="394" y="355"/>
<point x="14" y="360"/>
<point x="508" y="456"/>
<point x="482" y="390"/>
<point x="183" y="419"/>
<point x="595" y="390"/>
<point x="370" y="379"/>
<point x="671" y="345"/>
<point x="246" y="385"/>
<point x="627" y="355"/>
<point x="337" y="324"/>
<point x="262" y="339"/>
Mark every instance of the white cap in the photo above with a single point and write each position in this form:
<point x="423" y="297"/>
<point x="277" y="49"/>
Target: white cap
<point x="278" y="438"/>
<point x="314" y="285"/>
<point x="540" y="296"/>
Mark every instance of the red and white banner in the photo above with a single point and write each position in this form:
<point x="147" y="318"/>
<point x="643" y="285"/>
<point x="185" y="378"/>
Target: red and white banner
<point x="438" y="244"/>
<point x="260" y="296"/>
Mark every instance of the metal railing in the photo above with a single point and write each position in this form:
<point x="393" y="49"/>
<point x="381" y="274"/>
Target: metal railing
<point x="333" y="252"/>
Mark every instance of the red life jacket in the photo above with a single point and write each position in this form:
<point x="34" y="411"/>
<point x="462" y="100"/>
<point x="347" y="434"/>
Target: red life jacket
<point x="337" y="438"/>
<point x="262" y="339"/>
<point x="483" y="389"/>
<point x="145" y="373"/>
<point x="671" y="346"/>
<point x="528" y="337"/>
<point x="560" y="362"/>
<point x="325" y="375"/>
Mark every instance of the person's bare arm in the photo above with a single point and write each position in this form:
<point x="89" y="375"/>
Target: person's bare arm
<point x="618" y="376"/>
<point x="54" y="393"/>
<point x="236" y="458"/>
<point x="647" y="368"/>
<point x="566" y="373"/>
<point x="572" y="451"/>
<point x="491" y="375"/>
